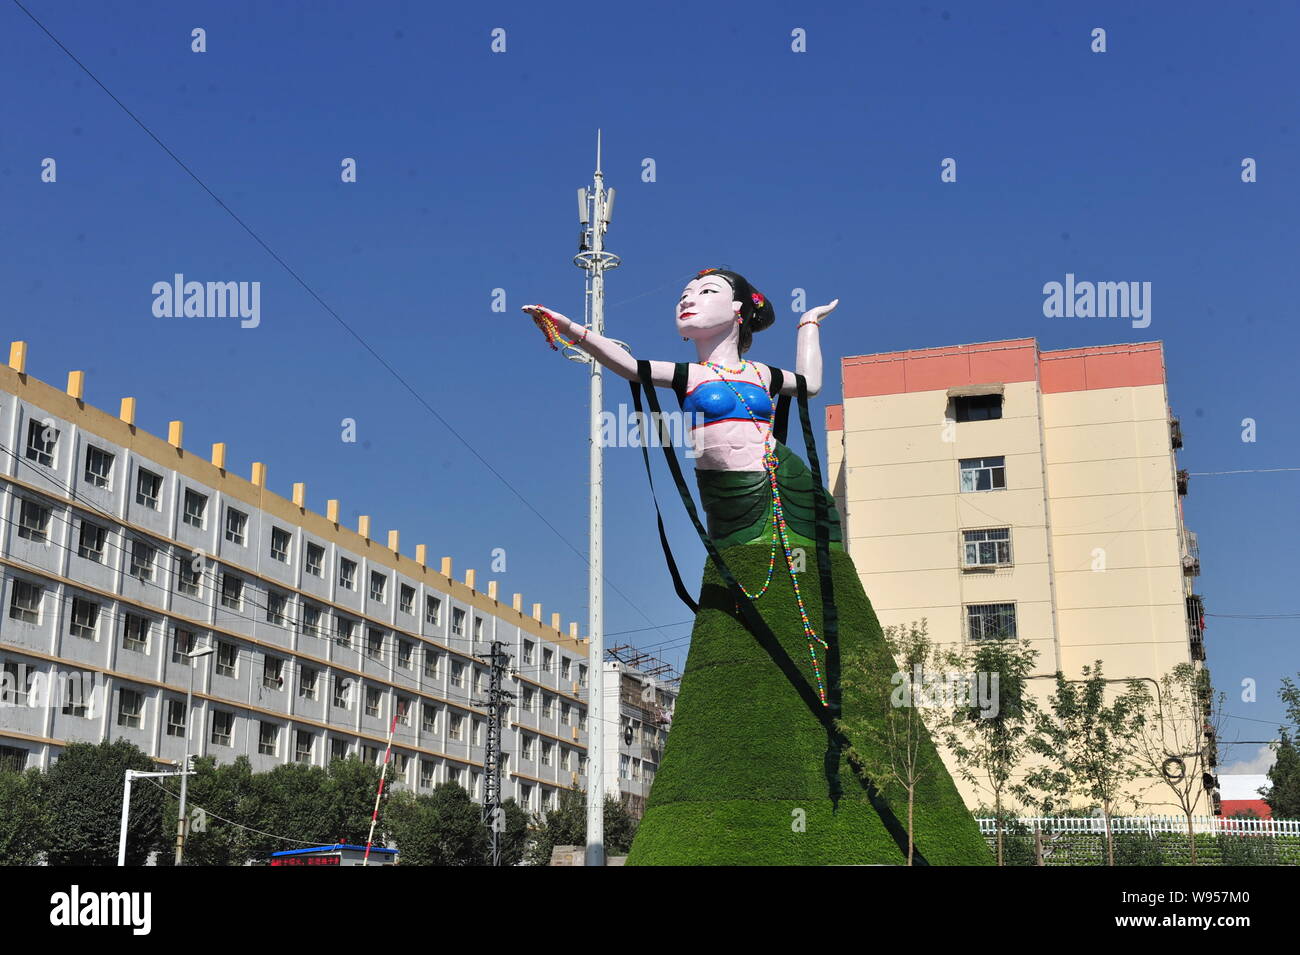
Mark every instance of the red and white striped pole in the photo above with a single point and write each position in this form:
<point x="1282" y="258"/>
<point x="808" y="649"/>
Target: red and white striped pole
<point x="383" y="777"/>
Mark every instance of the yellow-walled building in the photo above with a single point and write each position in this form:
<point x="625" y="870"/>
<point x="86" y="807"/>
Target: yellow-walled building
<point x="996" y="489"/>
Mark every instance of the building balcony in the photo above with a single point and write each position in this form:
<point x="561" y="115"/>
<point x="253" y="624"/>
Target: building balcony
<point x="1191" y="554"/>
<point x="1183" y="477"/>
<point x="1175" y="433"/>
<point x="1196" y="626"/>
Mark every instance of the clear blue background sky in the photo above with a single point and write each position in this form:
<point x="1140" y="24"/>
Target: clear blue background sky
<point x="817" y="170"/>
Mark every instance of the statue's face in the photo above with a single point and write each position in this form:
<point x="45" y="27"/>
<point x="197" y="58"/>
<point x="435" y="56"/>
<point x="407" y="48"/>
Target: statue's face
<point x="706" y="305"/>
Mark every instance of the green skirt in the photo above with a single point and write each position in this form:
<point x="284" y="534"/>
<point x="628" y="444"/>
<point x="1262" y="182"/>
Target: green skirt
<point x="739" y="504"/>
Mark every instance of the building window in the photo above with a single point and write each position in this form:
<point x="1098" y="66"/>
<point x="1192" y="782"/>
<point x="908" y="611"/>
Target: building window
<point x="548" y="750"/>
<point x="566" y="668"/>
<point x="280" y="541"/>
<point x="311" y="620"/>
<point x="455" y="726"/>
<point x="130" y="705"/>
<point x="526" y="795"/>
<point x="315" y="560"/>
<point x="984" y="474"/>
<point x="223" y="725"/>
<point x="457" y="673"/>
<point x="77" y="689"/>
<point x="99" y="467"/>
<point x="987" y="548"/>
<point x="404" y="651"/>
<point x="624" y="764"/>
<point x="232" y="592"/>
<point x="453" y="775"/>
<point x="370" y="754"/>
<point x="90" y="543"/>
<point x="478" y="732"/>
<point x="182" y="645"/>
<point x="338" y="749"/>
<point x="478" y="628"/>
<point x="41" y="439"/>
<point x="142" y="555"/>
<point x="302" y="747"/>
<point x="374" y="644"/>
<point x="377" y="583"/>
<point x="372" y="701"/>
<point x="548" y="661"/>
<point x="478" y="681"/>
<point x="344" y="629"/>
<point x="268" y="739"/>
<point x="188" y="576"/>
<point x="85" y="618"/>
<point x="526" y="700"/>
<point x="196" y="505"/>
<point x="566" y="714"/>
<point x="272" y="673"/>
<point x="236" y="526"/>
<point x="135" y="633"/>
<point x="25" y="601"/>
<point x="14" y="684"/>
<point x="977" y="408"/>
<point x="347" y="574"/>
<point x="991" y="621"/>
<point x="458" y="621"/>
<point x="529" y="651"/>
<point x="148" y="489"/>
<point x="175" y="718"/>
<point x="526" y="748"/>
<point x="432" y="610"/>
<point x="307" y="683"/>
<point x="548" y="706"/>
<point x="404" y="711"/>
<point x="406" y="600"/>
<point x="227" y="659"/>
<point x="426" y="774"/>
<point x="429" y="718"/>
<point x="33" y="521"/>
<point x="275" y="606"/>
<point x="342" y="694"/>
<point x="582" y="674"/>
<point x="431" y="658"/>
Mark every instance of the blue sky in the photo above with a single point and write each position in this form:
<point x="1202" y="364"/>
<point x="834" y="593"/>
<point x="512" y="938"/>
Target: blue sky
<point x="817" y="170"/>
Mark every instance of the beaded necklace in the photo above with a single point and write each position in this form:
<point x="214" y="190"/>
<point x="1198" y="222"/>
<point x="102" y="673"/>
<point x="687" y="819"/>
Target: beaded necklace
<point x="780" y="531"/>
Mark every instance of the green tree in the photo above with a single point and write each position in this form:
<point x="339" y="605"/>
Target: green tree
<point x="514" y="840"/>
<point x="1176" y="741"/>
<point x="892" y="749"/>
<point x="222" y="799"/>
<point x="308" y="804"/>
<point x="989" y="740"/>
<point x="83" y="799"/>
<point x="1283" y="794"/>
<point x="22" y="817"/>
<point x="566" y="825"/>
<point x="1090" y="747"/>
<point x="444" y="827"/>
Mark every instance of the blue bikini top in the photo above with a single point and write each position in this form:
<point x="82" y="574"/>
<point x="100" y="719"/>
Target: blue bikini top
<point x="717" y="401"/>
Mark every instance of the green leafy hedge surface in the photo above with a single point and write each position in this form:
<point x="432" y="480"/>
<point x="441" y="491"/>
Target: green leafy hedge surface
<point x="744" y="752"/>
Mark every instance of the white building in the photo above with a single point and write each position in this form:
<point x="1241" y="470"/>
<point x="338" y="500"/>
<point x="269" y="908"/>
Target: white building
<point x="120" y="551"/>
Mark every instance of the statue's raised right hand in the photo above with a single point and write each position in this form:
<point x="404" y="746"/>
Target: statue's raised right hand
<point x="545" y="317"/>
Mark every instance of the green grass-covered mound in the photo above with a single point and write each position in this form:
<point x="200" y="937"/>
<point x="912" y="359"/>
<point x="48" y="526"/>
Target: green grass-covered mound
<point x="745" y="767"/>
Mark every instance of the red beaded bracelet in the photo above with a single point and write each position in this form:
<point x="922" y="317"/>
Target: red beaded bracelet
<point x="810" y="321"/>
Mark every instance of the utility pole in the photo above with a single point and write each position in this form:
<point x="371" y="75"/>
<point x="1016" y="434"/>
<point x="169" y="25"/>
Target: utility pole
<point x="496" y="704"/>
<point x="182" y="824"/>
<point x="595" y="209"/>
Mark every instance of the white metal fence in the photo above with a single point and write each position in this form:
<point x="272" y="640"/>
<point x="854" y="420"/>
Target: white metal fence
<point x="1144" y="840"/>
<point x="1151" y="825"/>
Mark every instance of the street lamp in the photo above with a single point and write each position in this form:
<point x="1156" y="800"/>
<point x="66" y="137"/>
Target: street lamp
<point x="185" y="764"/>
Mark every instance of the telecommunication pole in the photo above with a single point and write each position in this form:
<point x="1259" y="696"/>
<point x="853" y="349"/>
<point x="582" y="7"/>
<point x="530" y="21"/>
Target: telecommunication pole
<point x="595" y="209"/>
<point x="496" y="703"/>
